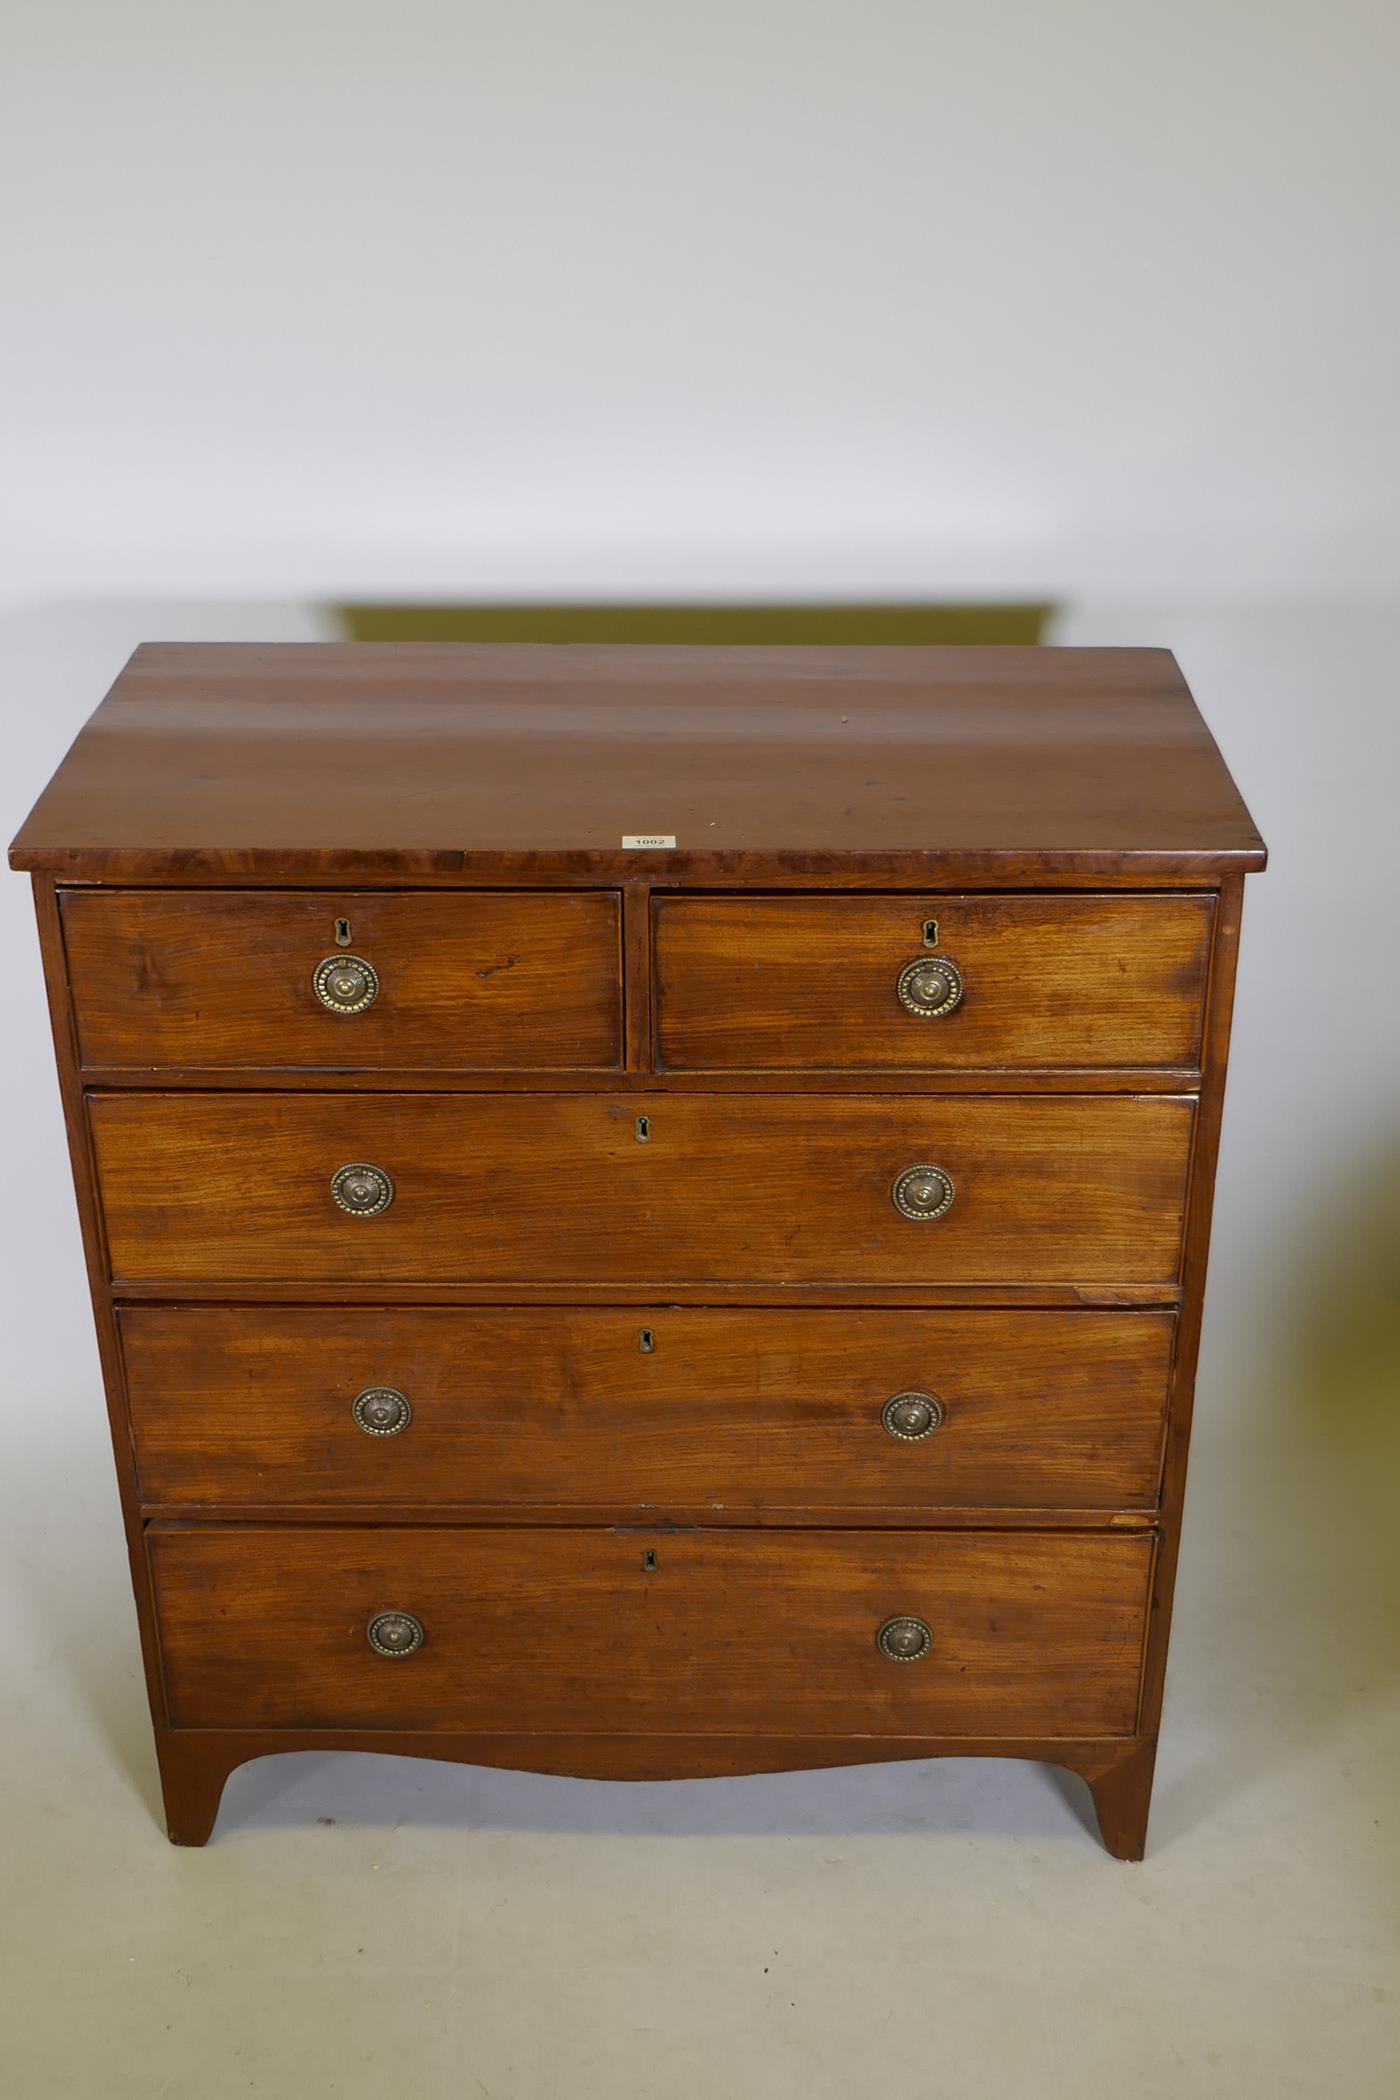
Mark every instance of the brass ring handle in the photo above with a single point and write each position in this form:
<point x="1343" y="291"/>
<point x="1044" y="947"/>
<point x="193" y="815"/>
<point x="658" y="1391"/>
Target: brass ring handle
<point x="930" y="986"/>
<point x="912" y="1416"/>
<point x="361" y="1189"/>
<point x="922" y="1193"/>
<point x="345" y="984"/>
<point x="381" y="1410"/>
<point x="394" y="1633"/>
<point x="904" y="1639"/>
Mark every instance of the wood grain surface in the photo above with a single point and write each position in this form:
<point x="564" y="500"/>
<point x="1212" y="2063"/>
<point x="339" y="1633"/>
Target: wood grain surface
<point x="287" y="761"/>
<point x="720" y="1409"/>
<point x="238" y="1187"/>
<point x="794" y="983"/>
<point x="1032" y="1633"/>
<point x="467" y="981"/>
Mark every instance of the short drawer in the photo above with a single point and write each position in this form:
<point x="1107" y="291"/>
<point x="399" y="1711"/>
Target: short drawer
<point x="218" y="980"/>
<point x="930" y="984"/>
<point x="1030" y="1634"/>
<point x="248" y="1188"/>
<point x="719" y="1410"/>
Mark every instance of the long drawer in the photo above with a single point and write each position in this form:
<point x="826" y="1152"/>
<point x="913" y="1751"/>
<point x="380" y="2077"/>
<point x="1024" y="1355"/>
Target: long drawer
<point x="716" y="1409"/>
<point x="930" y="984"/>
<point x="346" y="981"/>
<point x="1030" y="1634"/>
<point x="359" y="1189"/>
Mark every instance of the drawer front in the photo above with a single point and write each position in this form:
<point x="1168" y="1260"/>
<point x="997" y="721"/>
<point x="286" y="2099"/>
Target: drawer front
<point x="226" y="980"/>
<point x="1046" y="983"/>
<point x="719" y="1409"/>
<point x="1032" y="1634"/>
<point x="239" y="1188"/>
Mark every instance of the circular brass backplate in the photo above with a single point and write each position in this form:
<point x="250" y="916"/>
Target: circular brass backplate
<point x="929" y="986"/>
<point x="394" y="1633"/>
<point x="904" y="1639"/>
<point x="922" y="1193"/>
<point x="345" y="984"/>
<point x="362" y="1190"/>
<point x="382" y="1410"/>
<point x="912" y="1416"/>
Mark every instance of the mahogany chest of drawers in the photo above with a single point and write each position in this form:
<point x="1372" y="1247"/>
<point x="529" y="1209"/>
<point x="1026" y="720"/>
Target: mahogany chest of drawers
<point x="647" y="1209"/>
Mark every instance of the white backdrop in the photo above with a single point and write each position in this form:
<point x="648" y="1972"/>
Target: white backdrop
<point x="332" y="297"/>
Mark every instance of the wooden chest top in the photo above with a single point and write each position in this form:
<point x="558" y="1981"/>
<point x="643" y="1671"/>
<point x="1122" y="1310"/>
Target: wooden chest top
<point x="306" y="762"/>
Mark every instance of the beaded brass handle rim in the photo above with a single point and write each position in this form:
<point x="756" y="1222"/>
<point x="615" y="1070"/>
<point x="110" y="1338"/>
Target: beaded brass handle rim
<point x="345" y="984"/>
<point x="381" y="1410"/>
<point x="395" y="1634"/>
<point x="923" y="1193"/>
<point x="911" y="1416"/>
<point x="905" y="1638"/>
<point x="361" y="1189"/>
<point x="929" y="986"/>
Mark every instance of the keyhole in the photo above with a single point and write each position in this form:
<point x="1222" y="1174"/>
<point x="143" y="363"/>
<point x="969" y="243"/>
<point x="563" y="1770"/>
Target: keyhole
<point x="342" y="933"/>
<point x="643" y="1129"/>
<point x="930" y="933"/>
<point x="646" y="1340"/>
<point x="649" y="1561"/>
